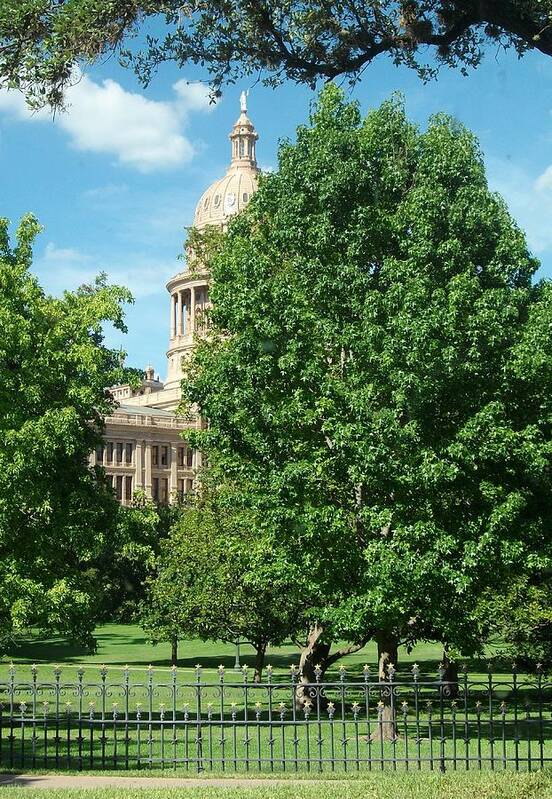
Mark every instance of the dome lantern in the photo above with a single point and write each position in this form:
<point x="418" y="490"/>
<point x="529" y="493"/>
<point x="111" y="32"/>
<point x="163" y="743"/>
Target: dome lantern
<point x="243" y="138"/>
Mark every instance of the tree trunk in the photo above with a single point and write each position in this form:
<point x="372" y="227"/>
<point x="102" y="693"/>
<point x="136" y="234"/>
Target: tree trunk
<point x="260" y="650"/>
<point x="315" y="653"/>
<point x="388" y="655"/>
<point x="450" y="677"/>
<point x="174" y="651"/>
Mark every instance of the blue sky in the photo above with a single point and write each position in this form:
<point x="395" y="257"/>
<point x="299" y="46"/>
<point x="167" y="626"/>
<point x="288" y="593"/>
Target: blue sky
<point x="114" y="181"/>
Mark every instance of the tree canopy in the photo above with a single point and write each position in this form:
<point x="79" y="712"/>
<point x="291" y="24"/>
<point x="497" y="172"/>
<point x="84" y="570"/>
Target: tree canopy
<point x="56" y="512"/>
<point x="43" y="41"/>
<point x="379" y="365"/>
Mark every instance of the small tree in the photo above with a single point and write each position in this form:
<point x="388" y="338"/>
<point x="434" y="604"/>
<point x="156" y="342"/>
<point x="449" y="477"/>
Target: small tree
<point x="223" y="576"/>
<point x="518" y="620"/>
<point x="130" y="555"/>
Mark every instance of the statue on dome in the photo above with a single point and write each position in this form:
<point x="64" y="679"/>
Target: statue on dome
<point x="243" y="102"/>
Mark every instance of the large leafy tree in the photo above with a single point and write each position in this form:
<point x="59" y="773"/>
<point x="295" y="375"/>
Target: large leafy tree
<point x="56" y="513"/>
<point x="42" y="41"/>
<point x="379" y="365"/>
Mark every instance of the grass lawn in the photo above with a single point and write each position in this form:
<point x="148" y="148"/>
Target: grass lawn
<point x="466" y="786"/>
<point x="126" y="644"/>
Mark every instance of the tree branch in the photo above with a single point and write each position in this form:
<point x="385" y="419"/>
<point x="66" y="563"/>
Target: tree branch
<point x="347" y="650"/>
<point x="506" y="15"/>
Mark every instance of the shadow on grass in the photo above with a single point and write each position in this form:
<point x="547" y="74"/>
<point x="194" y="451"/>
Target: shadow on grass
<point x="119" y="645"/>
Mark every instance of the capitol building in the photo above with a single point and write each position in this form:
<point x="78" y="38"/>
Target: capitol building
<point x="143" y="449"/>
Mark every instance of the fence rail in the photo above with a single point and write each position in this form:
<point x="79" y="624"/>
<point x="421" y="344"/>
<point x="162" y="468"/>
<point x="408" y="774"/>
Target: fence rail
<point x="108" y="719"/>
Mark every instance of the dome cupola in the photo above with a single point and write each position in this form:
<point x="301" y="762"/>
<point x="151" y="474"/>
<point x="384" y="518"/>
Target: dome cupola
<point x="230" y="194"/>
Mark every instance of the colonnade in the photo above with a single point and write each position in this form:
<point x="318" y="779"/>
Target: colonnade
<point x="186" y="305"/>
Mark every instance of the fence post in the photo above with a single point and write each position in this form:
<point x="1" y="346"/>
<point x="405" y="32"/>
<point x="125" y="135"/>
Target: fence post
<point x="541" y="728"/>
<point x="199" y="740"/>
<point x="222" y="740"/>
<point x="441" y="673"/>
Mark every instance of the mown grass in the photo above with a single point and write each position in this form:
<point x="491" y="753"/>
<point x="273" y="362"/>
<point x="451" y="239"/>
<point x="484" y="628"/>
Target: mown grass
<point x="466" y="786"/>
<point x="126" y="644"/>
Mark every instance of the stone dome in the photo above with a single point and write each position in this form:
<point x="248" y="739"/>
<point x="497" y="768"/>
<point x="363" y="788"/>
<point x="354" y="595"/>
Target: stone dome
<point x="224" y="198"/>
<point x="230" y="194"/>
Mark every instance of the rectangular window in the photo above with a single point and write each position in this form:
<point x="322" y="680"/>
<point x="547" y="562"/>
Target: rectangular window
<point x="189" y="486"/>
<point x="110" y="452"/>
<point x="129" y="448"/>
<point x="119" y="487"/>
<point x="99" y="453"/>
<point x="119" y="452"/>
<point x="164" y="490"/>
<point x="190" y="458"/>
<point x="155" y="456"/>
<point x="109" y="479"/>
<point x="164" y="456"/>
<point x="128" y="487"/>
<point x="181" y="489"/>
<point x="181" y="456"/>
<point x="155" y="489"/>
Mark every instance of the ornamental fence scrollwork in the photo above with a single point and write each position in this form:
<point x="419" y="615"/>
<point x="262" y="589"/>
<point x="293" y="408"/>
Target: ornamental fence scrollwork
<point x="213" y="721"/>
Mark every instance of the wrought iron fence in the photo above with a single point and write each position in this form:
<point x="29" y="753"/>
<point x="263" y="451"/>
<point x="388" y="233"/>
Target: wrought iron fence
<point x="104" y="719"/>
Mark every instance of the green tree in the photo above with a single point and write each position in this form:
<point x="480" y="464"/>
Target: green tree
<point x="379" y="365"/>
<point x="130" y="556"/>
<point x="56" y="513"/>
<point x="518" y="619"/>
<point x="42" y="41"/>
<point x="222" y="575"/>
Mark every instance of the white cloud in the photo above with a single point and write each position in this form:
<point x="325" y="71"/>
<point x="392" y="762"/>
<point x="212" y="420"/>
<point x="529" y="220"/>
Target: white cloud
<point x="106" y="118"/>
<point x="194" y="94"/>
<point x="105" y="192"/>
<point x="60" y="269"/>
<point x="544" y="181"/>
<point x="529" y="200"/>
<point x="53" y="254"/>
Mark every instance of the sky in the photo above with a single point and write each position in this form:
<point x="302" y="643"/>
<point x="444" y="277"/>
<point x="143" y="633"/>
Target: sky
<point x="114" y="180"/>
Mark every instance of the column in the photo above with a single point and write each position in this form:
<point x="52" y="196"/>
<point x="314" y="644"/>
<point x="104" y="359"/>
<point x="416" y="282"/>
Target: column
<point x="192" y="309"/>
<point x="173" y="314"/>
<point x="179" y="313"/>
<point x="173" y="484"/>
<point x="147" y="482"/>
<point x="139" y="480"/>
<point x="199" y="304"/>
